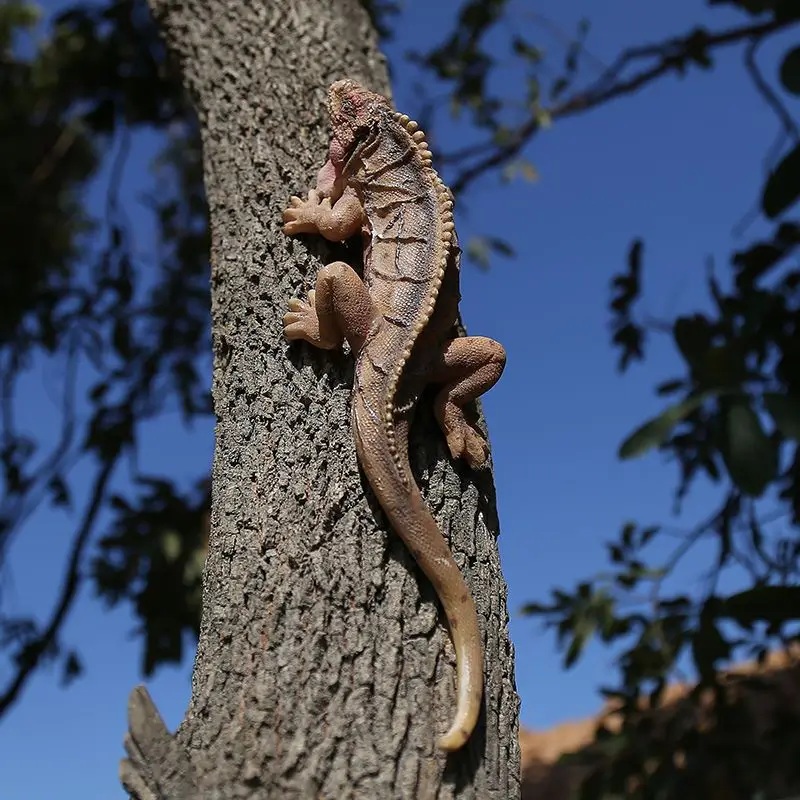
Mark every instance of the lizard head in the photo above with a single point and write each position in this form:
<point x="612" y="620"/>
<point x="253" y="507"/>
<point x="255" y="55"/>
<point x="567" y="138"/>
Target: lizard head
<point x="356" y="118"/>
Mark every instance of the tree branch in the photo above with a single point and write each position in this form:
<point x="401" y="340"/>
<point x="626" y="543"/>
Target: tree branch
<point x="674" y="54"/>
<point x="36" y="650"/>
<point x="788" y="125"/>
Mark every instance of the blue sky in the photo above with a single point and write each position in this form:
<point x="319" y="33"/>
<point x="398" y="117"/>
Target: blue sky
<point x="678" y="165"/>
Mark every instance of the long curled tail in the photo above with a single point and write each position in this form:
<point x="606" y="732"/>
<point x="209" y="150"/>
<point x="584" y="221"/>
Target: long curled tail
<point x="414" y="523"/>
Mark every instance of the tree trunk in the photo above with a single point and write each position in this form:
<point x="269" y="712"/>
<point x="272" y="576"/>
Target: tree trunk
<point x="324" y="668"/>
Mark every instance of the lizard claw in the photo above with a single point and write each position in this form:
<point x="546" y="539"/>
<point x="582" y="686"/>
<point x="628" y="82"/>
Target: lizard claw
<point x="303" y="216"/>
<point x="296" y="304"/>
<point x="301" y="321"/>
<point x="468" y="444"/>
<point x="463" y="440"/>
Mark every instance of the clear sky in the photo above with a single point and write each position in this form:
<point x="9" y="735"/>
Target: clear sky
<point x="678" y="165"/>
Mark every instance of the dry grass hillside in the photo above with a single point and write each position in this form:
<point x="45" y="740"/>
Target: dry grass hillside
<point x="545" y="779"/>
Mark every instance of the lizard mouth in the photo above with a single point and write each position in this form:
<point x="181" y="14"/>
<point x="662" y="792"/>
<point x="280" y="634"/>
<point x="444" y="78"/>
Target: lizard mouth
<point x="330" y="179"/>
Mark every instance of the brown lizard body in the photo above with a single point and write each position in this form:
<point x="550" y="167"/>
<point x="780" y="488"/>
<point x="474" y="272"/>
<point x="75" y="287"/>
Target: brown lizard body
<point x="400" y="324"/>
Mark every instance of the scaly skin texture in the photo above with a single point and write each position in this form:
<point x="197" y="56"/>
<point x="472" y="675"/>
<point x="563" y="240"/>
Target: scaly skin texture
<point x="400" y="324"/>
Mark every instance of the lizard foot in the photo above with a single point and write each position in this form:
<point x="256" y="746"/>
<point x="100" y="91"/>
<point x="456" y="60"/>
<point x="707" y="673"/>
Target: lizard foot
<point x="462" y="439"/>
<point x="301" y="322"/>
<point x="303" y="216"/>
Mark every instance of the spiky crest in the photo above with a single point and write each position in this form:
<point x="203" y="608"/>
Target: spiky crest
<point x="445" y="208"/>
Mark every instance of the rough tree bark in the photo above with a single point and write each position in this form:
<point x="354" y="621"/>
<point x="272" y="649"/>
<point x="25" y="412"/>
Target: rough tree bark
<point x="323" y="669"/>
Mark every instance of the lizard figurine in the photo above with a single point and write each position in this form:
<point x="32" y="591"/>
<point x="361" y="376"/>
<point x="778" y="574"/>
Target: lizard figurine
<point x="400" y="324"/>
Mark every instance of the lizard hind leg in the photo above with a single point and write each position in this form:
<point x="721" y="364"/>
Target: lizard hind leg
<point x="338" y="308"/>
<point x="469" y="366"/>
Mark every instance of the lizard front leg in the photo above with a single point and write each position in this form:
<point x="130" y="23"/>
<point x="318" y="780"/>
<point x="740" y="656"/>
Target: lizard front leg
<point x="468" y="367"/>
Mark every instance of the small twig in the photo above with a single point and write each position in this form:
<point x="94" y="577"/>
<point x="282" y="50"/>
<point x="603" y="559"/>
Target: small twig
<point x="690" y="540"/>
<point x="33" y="493"/>
<point x="117" y="172"/>
<point x="765" y="90"/>
<point x="56" y="459"/>
<point x="10" y="370"/>
<point x="684" y="547"/>
<point x="657" y="325"/>
<point x="59" y="149"/>
<point x="565" y="38"/>
<point x="680" y="551"/>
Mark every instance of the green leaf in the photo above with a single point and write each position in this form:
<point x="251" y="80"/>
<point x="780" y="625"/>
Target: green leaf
<point x="669" y="387"/>
<point x="500" y="246"/>
<point x="708" y="644"/>
<point x="786" y="10"/>
<point x="581" y="633"/>
<point x="790" y="71"/>
<point x="721" y="366"/>
<point x="528" y="51"/>
<point x="121" y="338"/>
<point x="756" y="261"/>
<point x="656" y="431"/>
<point x="71" y="668"/>
<point x="59" y="492"/>
<point x="519" y="167"/>
<point x="692" y="336"/>
<point x="532" y="609"/>
<point x="558" y="88"/>
<point x="771" y="604"/>
<point x="171" y="545"/>
<point x="477" y="250"/>
<point x="750" y="456"/>
<point x="502" y="136"/>
<point x="783" y="185"/>
<point x="648" y="533"/>
<point x="543" y="118"/>
<point x="628" y="530"/>
<point x="785" y="412"/>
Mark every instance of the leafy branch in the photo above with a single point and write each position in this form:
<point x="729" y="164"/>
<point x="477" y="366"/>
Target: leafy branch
<point x="673" y="55"/>
<point x="734" y="419"/>
<point x="139" y="336"/>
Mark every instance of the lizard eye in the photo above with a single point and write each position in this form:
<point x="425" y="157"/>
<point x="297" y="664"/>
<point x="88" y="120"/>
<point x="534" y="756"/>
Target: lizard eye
<point x="362" y="135"/>
<point x="363" y="132"/>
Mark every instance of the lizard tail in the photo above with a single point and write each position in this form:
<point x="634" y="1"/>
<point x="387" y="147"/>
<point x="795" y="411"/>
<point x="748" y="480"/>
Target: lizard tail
<point x="414" y="523"/>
